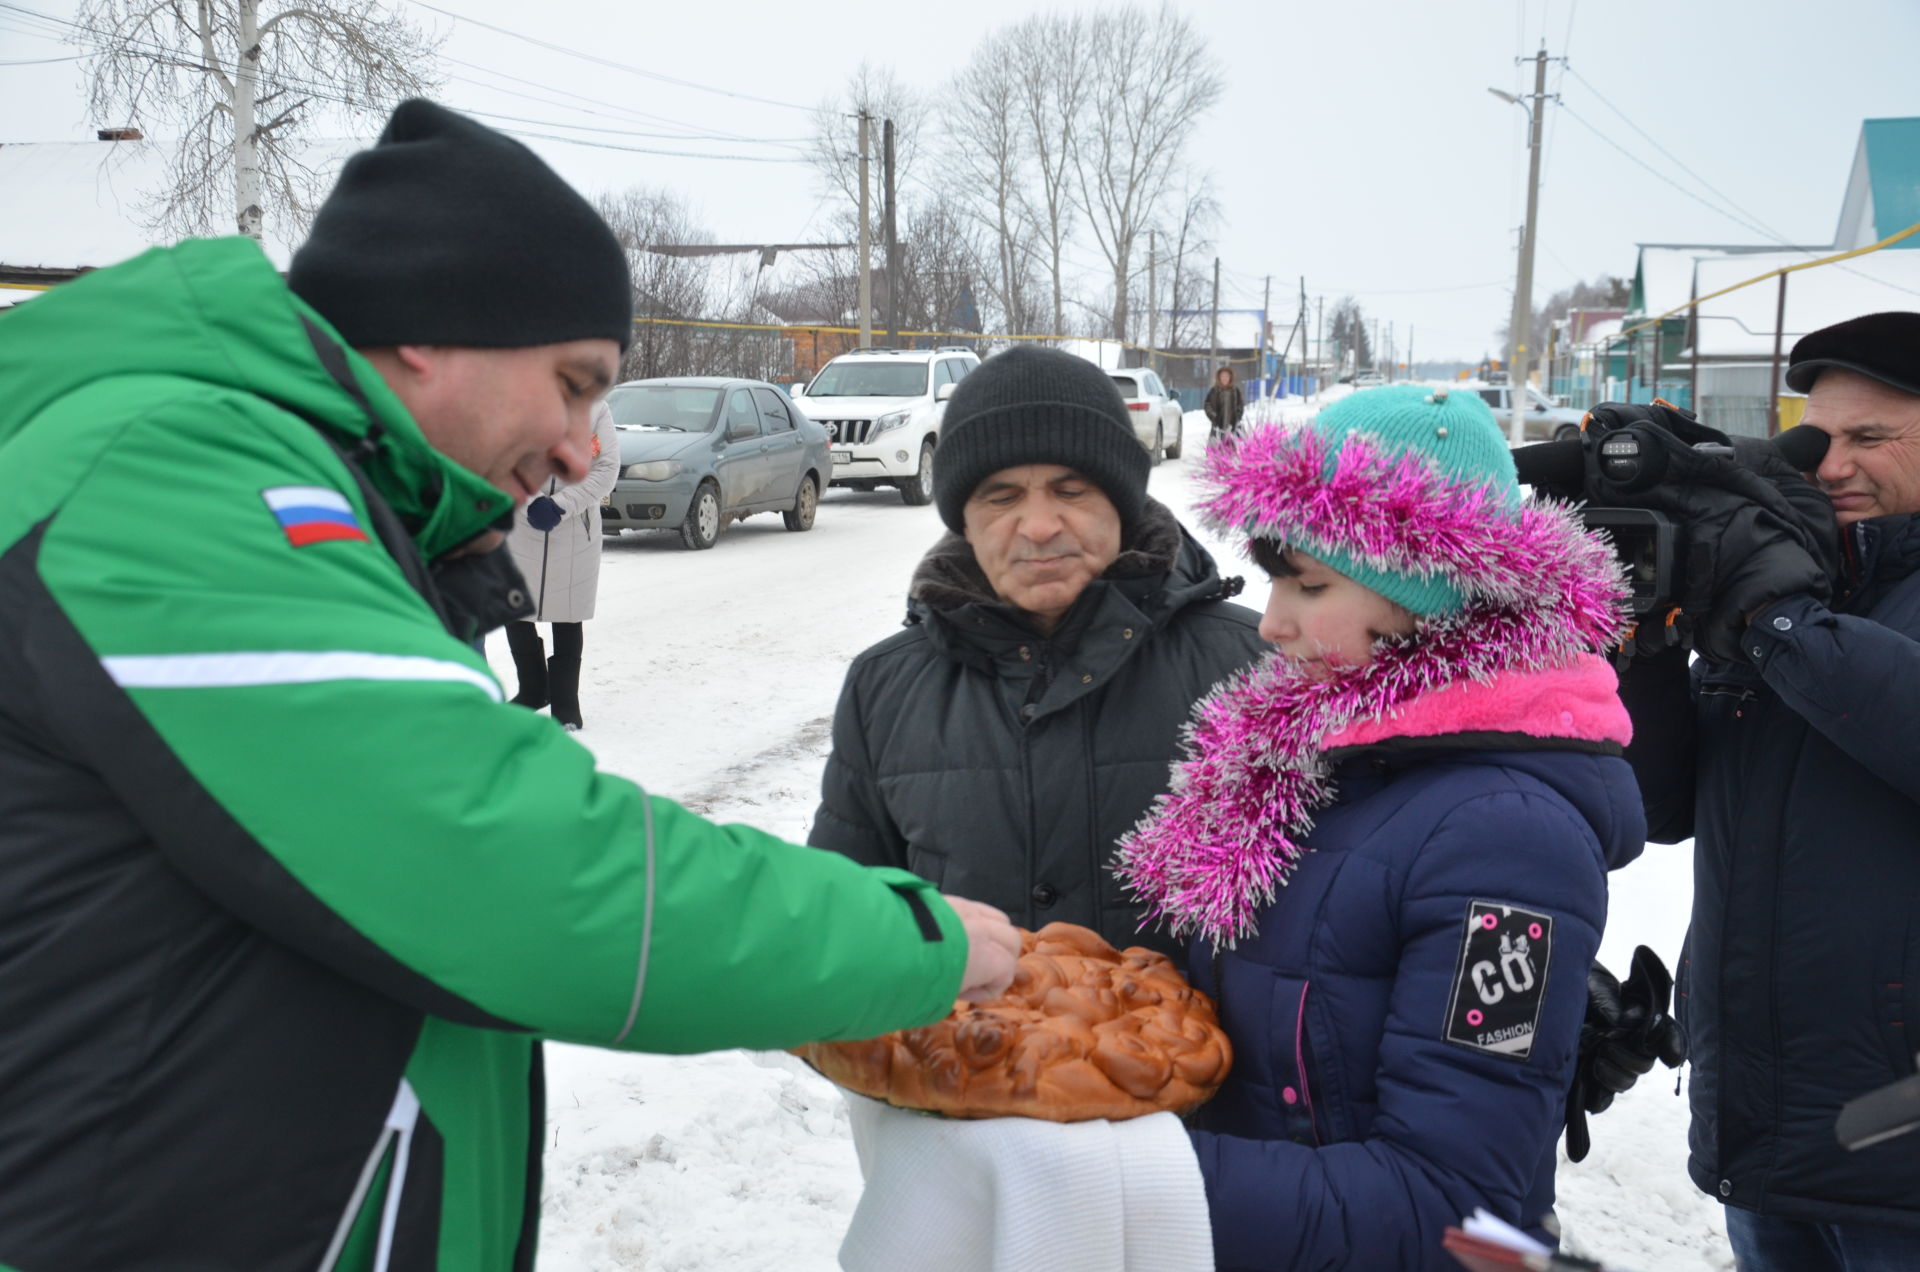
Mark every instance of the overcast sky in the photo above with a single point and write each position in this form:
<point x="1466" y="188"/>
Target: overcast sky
<point x="1356" y="143"/>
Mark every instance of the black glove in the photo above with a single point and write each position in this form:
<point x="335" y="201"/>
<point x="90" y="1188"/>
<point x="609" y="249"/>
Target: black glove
<point x="1752" y="530"/>
<point x="543" y="514"/>
<point x="1627" y="1028"/>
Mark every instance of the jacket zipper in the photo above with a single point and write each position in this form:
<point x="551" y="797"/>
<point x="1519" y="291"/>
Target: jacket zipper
<point x="1300" y="1061"/>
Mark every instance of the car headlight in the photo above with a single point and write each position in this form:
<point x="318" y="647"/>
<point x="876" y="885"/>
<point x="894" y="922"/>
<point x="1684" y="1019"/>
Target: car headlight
<point x="654" y="470"/>
<point x="892" y="420"/>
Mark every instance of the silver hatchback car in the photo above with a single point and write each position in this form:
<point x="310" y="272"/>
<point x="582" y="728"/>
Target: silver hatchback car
<point x="699" y="452"/>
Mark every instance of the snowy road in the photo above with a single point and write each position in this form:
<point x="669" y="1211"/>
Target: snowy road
<point x="710" y="677"/>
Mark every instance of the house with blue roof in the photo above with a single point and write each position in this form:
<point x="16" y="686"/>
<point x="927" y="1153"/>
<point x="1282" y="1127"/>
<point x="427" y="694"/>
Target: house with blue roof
<point x="1723" y="356"/>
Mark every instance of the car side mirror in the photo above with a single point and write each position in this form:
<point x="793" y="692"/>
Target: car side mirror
<point x="798" y="390"/>
<point x="944" y="392"/>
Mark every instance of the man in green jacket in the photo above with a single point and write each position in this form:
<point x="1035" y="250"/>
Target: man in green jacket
<point x="288" y="897"/>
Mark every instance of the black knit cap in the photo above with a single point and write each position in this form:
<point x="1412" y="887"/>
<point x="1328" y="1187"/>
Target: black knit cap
<point x="1883" y="347"/>
<point x="449" y="233"/>
<point x="1038" y="406"/>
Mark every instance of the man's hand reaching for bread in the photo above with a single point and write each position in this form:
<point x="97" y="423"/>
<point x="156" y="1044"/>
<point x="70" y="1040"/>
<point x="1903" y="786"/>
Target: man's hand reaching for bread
<point x="993" y="950"/>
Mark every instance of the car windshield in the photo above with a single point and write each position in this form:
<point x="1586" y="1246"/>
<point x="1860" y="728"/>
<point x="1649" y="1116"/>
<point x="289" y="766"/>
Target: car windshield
<point x="663" y="408"/>
<point x="1129" y="387"/>
<point x="870" y="379"/>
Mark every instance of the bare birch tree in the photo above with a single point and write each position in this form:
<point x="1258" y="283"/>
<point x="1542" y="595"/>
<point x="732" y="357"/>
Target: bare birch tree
<point x="1152" y="78"/>
<point x="990" y="149"/>
<point x="240" y="87"/>
<point x="835" y="148"/>
<point x="1049" y="55"/>
<point x="670" y="287"/>
<point x="1193" y="215"/>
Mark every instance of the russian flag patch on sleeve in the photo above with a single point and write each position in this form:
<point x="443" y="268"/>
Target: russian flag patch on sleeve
<point x="312" y="514"/>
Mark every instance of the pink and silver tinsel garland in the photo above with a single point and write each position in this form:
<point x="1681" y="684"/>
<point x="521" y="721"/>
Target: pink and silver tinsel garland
<point x="1540" y="590"/>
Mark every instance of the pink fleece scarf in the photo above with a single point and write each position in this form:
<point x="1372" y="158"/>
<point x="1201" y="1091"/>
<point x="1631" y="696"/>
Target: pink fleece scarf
<point x="1541" y="592"/>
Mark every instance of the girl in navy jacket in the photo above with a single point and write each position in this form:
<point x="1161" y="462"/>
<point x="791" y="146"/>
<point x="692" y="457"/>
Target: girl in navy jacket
<point x="1389" y="841"/>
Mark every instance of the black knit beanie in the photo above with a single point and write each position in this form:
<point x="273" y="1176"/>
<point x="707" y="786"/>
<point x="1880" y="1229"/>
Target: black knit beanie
<point x="1038" y="406"/>
<point x="449" y="233"/>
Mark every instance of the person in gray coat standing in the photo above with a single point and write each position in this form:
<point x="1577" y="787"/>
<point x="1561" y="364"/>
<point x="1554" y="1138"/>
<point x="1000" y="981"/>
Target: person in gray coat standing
<point x="1056" y="642"/>
<point x="556" y="544"/>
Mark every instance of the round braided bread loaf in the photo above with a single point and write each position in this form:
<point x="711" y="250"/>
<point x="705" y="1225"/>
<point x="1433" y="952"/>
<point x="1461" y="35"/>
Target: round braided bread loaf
<point x="1085" y="1031"/>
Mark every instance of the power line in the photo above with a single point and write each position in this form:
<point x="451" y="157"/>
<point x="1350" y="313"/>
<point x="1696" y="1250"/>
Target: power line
<point x="647" y="150"/>
<point x="271" y="79"/>
<point x="1332" y="288"/>
<point x="621" y="112"/>
<point x="1738" y="220"/>
<point x="1675" y="160"/>
<point x="609" y="62"/>
<point x="1760" y="230"/>
<point x="628" y="132"/>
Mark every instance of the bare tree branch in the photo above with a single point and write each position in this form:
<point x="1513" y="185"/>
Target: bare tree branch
<point x="991" y="151"/>
<point x="1152" y="80"/>
<point x="182" y="68"/>
<point x="1050" y="60"/>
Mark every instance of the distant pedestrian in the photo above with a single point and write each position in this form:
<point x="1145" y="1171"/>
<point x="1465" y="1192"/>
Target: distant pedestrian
<point x="556" y="544"/>
<point x="1226" y="403"/>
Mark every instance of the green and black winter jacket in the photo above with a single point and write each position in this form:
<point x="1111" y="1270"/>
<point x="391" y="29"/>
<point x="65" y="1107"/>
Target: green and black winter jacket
<point x="288" y="897"/>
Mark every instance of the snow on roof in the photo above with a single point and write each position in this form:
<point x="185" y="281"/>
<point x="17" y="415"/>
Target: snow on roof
<point x="1598" y="331"/>
<point x="1665" y="272"/>
<point x="1741" y="323"/>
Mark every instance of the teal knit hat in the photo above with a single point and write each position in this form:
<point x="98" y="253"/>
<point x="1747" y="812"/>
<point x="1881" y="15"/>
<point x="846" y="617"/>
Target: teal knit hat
<point x="1452" y="433"/>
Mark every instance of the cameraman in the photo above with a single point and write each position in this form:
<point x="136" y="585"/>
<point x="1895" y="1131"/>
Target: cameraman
<point x="1790" y="753"/>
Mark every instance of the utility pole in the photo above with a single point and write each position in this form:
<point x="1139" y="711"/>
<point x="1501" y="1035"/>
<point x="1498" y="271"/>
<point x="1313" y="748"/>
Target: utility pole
<point x="1266" y="307"/>
<point x="1522" y="326"/>
<point x="1153" y="306"/>
<point x="866" y="245"/>
<point x="1320" y="339"/>
<point x="1410" y="374"/>
<point x="1300" y="324"/>
<point x="892" y="243"/>
<point x="1213" y="339"/>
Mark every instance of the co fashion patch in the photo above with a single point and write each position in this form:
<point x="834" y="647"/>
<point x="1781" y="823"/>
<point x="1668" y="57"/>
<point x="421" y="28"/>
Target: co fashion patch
<point x="1501" y="982"/>
<point x="312" y="514"/>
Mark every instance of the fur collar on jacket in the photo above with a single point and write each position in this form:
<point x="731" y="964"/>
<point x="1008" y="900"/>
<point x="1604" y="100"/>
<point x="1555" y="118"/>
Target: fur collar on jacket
<point x="1541" y="591"/>
<point x="949" y="576"/>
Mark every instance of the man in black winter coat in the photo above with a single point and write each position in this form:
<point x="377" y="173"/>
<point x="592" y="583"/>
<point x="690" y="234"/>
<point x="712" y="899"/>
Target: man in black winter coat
<point x="1793" y="759"/>
<point x="1056" y="642"/>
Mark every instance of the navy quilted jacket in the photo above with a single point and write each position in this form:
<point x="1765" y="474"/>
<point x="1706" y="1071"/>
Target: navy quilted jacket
<point x="1373" y="1100"/>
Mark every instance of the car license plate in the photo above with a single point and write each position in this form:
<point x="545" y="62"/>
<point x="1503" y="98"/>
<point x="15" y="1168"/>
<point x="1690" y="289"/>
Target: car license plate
<point x="842" y="457"/>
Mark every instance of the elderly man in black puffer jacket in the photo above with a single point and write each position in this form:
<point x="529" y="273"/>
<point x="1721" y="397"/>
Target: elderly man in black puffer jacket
<point x="1056" y="642"/>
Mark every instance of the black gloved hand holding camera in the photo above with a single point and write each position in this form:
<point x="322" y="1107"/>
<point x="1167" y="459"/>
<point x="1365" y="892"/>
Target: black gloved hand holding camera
<point x="1755" y="530"/>
<point x="1627" y="1028"/>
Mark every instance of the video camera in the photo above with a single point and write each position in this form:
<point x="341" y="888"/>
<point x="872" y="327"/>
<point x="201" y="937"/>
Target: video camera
<point x="1626" y="452"/>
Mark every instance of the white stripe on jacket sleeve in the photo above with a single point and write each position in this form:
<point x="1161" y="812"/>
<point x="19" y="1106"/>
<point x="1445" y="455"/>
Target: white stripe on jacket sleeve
<point x="236" y="670"/>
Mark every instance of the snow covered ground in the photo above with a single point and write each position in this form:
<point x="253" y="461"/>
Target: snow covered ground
<point x="711" y="678"/>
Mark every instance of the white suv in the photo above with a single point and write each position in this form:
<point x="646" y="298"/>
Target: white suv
<point x="882" y="410"/>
